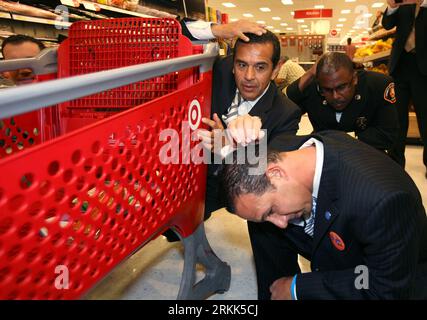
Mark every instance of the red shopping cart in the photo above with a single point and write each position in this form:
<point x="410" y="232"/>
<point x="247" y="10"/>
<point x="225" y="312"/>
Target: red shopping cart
<point x="92" y="47"/>
<point x="107" y="44"/>
<point x="74" y="207"/>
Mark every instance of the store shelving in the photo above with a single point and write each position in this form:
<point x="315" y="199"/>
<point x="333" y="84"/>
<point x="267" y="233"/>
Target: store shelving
<point x="374" y="57"/>
<point x="118" y="10"/>
<point x="18" y="17"/>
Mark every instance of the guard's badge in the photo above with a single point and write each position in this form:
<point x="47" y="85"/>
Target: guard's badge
<point x="390" y="94"/>
<point x="362" y="123"/>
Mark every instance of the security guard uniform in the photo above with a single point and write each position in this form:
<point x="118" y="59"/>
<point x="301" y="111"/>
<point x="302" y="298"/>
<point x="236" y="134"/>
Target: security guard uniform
<point x="371" y="115"/>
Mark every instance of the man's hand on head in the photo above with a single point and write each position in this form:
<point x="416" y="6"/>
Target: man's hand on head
<point x="237" y="29"/>
<point x="240" y="131"/>
<point x="245" y="129"/>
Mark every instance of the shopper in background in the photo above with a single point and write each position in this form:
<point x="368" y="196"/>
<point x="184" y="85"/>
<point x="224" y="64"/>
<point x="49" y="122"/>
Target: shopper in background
<point x="20" y="47"/>
<point x="336" y="97"/>
<point x="408" y="66"/>
<point x="350" y="49"/>
<point x="350" y="210"/>
<point x="289" y="72"/>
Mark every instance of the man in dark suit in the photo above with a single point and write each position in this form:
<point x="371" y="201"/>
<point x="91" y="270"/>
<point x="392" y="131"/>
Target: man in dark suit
<point x="408" y="66"/>
<point x="245" y="99"/>
<point x="338" y="202"/>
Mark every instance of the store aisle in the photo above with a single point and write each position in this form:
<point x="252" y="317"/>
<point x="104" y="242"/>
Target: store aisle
<point x="155" y="271"/>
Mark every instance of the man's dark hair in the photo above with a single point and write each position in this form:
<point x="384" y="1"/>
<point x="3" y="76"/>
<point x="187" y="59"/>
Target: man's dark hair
<point x="264" y="38"/>
<point x="19" y="39"/>
<point x="333" y="61"/>
<point x="348" y="40"/>
<point x="236" y="177"/>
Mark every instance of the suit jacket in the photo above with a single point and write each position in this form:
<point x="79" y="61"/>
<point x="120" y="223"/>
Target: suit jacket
<point x="184" y="29"/>
<point x="404" y="20"/>
<point x="369" y="213"/>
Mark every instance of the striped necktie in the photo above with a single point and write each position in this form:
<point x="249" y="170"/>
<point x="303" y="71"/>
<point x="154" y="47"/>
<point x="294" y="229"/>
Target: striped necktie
<point x="233" y="111"/>
<point x="309" y="223"/>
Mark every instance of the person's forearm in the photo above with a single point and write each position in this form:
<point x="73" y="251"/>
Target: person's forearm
<point x="306" y="79"/>
<point x="389" y="19"/>
<point x="379" y="138"/>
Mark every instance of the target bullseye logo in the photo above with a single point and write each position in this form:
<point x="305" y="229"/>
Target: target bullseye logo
<point x="194" y="114"/>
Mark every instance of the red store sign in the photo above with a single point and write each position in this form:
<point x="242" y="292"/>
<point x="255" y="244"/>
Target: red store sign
<point x="313" y="13"/>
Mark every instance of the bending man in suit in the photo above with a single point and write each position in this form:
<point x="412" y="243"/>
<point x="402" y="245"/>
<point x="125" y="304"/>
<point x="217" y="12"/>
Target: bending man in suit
<point x="338" y="202"/>
<point x="408" y="66"/>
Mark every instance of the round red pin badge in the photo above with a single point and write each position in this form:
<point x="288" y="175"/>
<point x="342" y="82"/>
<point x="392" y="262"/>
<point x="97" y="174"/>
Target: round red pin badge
<point x="336" y="240"/>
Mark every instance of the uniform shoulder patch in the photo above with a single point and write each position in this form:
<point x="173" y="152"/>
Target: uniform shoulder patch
<point x="390" y="94"/>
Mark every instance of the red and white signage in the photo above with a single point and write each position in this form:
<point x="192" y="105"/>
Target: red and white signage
<point x="313" y="13"/>
<point x="194" y="114"/>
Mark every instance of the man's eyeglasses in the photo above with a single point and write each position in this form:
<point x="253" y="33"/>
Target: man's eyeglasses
<point x="339" y="89"/>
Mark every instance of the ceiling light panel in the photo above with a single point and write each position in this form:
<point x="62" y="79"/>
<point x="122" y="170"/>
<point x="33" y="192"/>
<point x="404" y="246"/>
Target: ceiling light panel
<point x="377" y="4"/>
<point x="228" y="4"/>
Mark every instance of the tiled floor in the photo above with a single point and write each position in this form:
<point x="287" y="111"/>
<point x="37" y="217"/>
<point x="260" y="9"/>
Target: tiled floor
<point x="155" y="271"/>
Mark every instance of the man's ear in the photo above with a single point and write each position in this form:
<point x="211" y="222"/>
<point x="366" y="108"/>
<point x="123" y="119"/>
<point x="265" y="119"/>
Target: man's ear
<point x="356" y="78"/>
<point x="276" y="70"/>
<point x="274" y="171"/>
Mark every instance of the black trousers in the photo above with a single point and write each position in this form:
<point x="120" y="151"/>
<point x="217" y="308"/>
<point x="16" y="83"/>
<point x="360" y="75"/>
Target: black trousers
<point x="411" y="85"/>
<point x="215" y="199"/>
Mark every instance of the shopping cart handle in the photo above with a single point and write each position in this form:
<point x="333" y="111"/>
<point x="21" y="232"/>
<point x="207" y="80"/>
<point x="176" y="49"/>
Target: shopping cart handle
<point x="44" y="63"/>
<point x="22" y="99"/>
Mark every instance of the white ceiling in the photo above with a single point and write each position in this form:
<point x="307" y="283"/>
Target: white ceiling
<point x="360" y="18"/>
